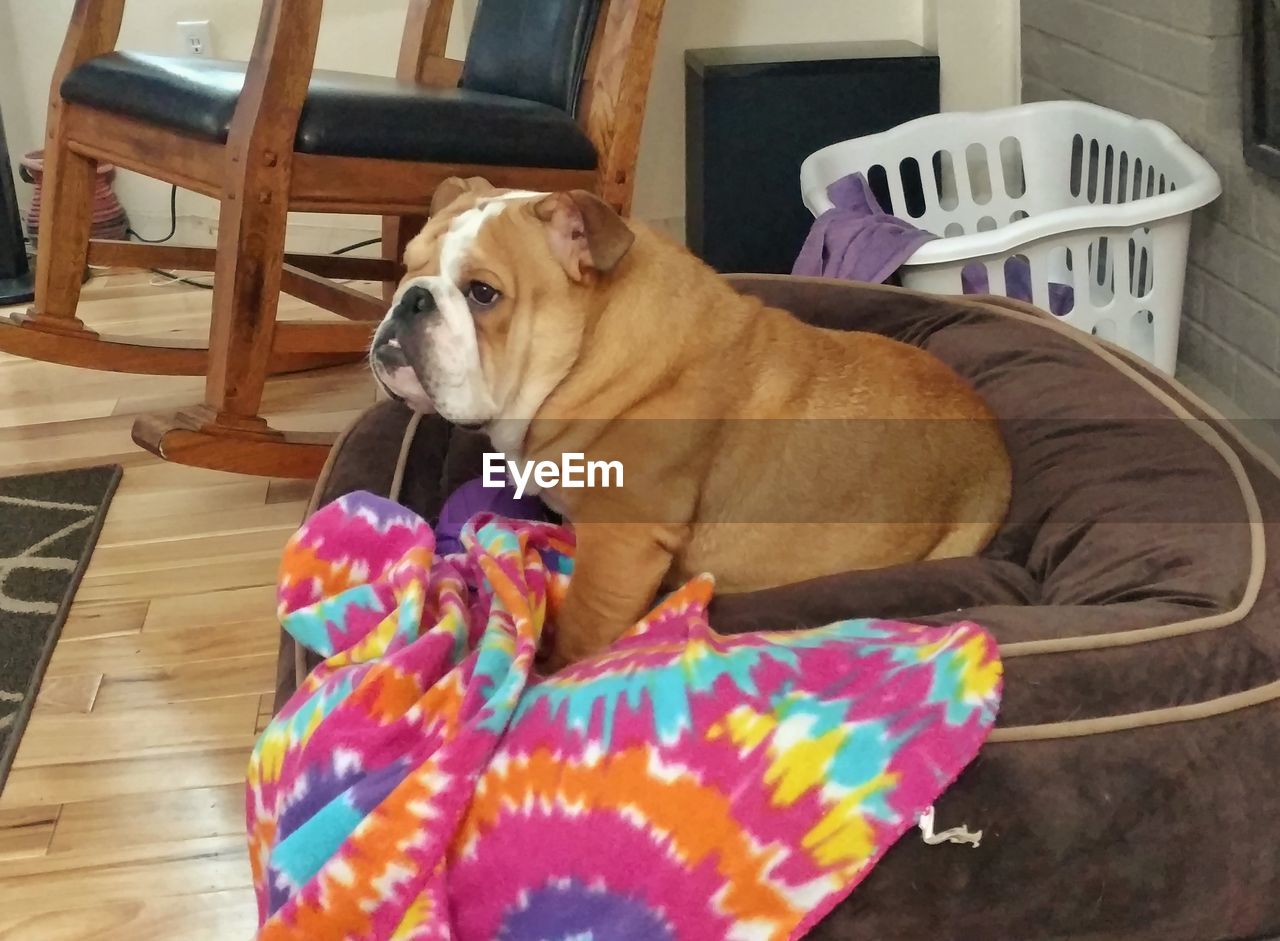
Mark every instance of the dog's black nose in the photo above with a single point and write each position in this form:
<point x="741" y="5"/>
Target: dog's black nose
<point x="415" y="302"/>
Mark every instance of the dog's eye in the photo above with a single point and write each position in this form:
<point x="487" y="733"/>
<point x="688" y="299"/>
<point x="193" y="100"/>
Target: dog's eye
<point x="481" y="294"/>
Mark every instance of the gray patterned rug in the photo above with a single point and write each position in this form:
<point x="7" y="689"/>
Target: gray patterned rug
<point x="49" y="524"/>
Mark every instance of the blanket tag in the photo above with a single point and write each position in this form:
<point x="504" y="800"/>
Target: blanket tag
<point x="960" y="834"/>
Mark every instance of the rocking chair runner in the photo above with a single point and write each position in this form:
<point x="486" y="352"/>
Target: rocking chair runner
<point x="551" y="96"/>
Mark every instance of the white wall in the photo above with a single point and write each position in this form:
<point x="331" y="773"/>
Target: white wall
<point x="977" y="39"/>
<point x="980" y="42"/>
<point x="15" y="101"/>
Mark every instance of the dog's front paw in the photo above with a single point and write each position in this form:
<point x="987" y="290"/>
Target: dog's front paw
<point x="551" y="661"/>
<point x="560" y="655"/>
<point x="567" y="647"/>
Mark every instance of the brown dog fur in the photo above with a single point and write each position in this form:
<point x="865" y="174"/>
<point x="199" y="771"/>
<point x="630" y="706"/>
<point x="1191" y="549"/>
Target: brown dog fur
<point x="756" y="447"/>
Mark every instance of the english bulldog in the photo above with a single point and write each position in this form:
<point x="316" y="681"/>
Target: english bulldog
<point x="756" y="448"/>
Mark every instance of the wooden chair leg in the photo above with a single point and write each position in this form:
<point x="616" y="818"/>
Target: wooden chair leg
<point x="226" y="432"/>
<point x="66" y="221"/>
<point x="246" y="296"/>
<point x="396" y="233"/>
<point x="66" y="214"/>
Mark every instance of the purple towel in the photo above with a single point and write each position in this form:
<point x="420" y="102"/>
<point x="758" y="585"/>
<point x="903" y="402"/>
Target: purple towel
<point x="474" y="497"/>
<point x="859" y="241"/>
<point x="1017" y="284"/>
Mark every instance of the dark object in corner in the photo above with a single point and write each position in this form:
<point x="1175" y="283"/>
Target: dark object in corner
<point x="16" y="284"/>
<point x="753" y="114"/>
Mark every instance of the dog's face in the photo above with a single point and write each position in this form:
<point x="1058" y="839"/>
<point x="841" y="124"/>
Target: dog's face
<point x="498" y="289"/>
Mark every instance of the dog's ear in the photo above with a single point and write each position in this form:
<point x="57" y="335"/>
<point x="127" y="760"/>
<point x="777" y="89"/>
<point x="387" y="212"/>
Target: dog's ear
<point x="456" y="186"/>
<point x="586" y="235"/>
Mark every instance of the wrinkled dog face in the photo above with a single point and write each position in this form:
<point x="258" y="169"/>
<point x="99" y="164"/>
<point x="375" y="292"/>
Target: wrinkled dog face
<point x="498" y="285"/>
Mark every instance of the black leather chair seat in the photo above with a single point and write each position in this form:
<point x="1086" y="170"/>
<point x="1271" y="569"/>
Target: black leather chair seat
<point x="346" y="115"/>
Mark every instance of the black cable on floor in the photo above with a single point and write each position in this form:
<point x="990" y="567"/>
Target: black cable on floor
<point x="354" y="245"/>
<point x="173" y="221"/>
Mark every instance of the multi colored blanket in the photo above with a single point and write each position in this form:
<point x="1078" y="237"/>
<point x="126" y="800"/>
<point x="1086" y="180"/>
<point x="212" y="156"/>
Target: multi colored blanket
<point x="425" y="783"/>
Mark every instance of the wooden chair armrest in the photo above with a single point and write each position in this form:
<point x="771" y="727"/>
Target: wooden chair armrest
<point x="426" y="31"/>
<point x="616" y="90"/>
<point x="92" y="31"/>
<point x="439" y="72"/>
<point x="278" y="75"/>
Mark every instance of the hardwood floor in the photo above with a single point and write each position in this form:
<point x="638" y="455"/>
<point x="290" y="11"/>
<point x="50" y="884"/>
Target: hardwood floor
<point x="123" y="818"/>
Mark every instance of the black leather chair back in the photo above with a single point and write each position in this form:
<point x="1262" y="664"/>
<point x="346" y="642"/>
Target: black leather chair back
<point x="530" y="49"/>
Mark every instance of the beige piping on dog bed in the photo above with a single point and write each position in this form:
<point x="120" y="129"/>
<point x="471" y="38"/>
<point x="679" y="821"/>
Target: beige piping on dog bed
<point x="329" y="461"/>
<point x="1079" y="727"/>
<point x="402" y="459"/>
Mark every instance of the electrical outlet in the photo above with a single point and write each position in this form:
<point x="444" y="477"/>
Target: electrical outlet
<point x="197" y="38"/>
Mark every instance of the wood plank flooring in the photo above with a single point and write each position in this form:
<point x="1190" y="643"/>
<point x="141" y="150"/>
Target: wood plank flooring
<point x="123" y="818"/>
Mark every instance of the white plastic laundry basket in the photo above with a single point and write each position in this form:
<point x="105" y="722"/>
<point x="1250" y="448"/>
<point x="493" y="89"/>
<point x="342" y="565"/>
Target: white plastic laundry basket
<point x="1089" y="208"/>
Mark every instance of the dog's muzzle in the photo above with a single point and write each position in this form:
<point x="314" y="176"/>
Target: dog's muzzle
<point x="399" y="327"/>
<point x="398" y="344"/>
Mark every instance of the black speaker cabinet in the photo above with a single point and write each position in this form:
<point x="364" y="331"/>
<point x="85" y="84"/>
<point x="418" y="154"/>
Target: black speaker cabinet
<point x="754" y="113"/>
<point x="15" y="273"/>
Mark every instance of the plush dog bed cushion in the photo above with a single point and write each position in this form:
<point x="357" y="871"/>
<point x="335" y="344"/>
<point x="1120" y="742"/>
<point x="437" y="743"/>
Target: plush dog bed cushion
<point x="1130" y="578"/>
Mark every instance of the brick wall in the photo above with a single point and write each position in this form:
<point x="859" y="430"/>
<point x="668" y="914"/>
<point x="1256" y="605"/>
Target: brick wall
<point x="1179" y="61"/>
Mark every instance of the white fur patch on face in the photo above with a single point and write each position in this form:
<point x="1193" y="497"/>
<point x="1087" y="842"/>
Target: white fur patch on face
<point x="452" y="377"/>
<point x="463" y="231"/>
<point x="447" y="373"/>
<point x="456" y="376"/>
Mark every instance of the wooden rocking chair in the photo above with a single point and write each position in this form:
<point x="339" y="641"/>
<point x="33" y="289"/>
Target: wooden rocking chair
<point x="551" y="96"/>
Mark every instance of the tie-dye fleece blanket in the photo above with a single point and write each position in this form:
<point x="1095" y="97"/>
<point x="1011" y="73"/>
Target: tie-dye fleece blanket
<point x="426" y="783"/>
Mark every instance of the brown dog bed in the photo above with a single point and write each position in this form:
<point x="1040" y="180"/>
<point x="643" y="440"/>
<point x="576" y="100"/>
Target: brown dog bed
<point x="1130" y="792"/>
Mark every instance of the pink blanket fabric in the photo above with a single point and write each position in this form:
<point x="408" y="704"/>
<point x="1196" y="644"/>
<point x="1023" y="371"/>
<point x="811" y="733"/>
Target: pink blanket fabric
<point x="426" y="783"/>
